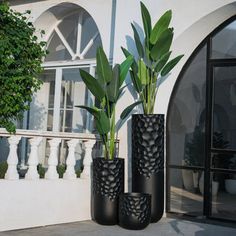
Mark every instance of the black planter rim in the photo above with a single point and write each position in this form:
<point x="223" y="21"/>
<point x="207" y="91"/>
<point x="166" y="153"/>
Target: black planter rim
<point x="135" y="194"/>
<point x="154" y="114"/>
<point x="109" y="160"/>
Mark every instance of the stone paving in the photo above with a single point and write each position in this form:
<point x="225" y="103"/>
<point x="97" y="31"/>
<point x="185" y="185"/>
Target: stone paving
<point x="166" y="227"/>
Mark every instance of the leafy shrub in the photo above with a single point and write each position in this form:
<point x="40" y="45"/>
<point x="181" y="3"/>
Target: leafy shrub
<point x="20" y="63"/>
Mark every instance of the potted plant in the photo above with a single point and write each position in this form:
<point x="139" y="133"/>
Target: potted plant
<point x="230" y="183"/>
<point x="108" y="171"/>
<point x="147" y="72"/>
<point x="194" y="157"/>
<point x="21" y="56"/>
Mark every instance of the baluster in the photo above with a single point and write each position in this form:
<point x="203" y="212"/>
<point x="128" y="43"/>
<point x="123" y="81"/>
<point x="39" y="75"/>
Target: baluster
<point x="33" y="161"/>
<point x="53" y="159"/>
<point x="12" y="159"/>
<point x="88" y="146"/>
<point x="70" y="161"/>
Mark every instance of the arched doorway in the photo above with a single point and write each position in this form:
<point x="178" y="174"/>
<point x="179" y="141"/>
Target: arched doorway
<point x="201" y="131"/>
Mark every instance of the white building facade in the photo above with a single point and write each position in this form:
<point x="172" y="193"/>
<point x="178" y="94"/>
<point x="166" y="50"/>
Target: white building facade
<point x="198" y="99"/>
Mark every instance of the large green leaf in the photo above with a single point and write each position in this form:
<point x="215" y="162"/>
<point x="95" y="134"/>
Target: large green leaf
<point x="134" y="65"/>
<point x="113" y="87"/>
<point x="124" y="68"/>
<point x="136" y="82"/>
<point x="138" y="43"/>
<point x="102" y="123"/>
<point x="161" y="25"/>
<point x="143" y="72"/>
<point x="170" y="65"/>
<point x="147" y="24"/>
<point x="104" y="70"/>
<point x="161" y="63"/>
<point x="92" y="84"/>
<point x="92" y="110"/>
<point x="128" y="109"/>
<point x="162" y="45"/>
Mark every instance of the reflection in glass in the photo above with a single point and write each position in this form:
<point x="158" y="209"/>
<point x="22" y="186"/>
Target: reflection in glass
<point x="224" y="196"/>
<point x="69" y="29"/>
<point x="224" y="42"/>
<point x="186" y="191"/>
<point x="224" y="110"/>
<point x="57" y="50"/>
<point x="73" y="92"/>
<point x="187" y="116"/>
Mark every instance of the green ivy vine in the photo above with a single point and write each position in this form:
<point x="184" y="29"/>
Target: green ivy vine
<point x="21" y="57"/>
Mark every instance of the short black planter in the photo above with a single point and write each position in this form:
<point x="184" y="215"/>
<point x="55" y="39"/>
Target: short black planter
<point x="134" y="210"/>
<point x="108" y="184"/>
<point x="148" y="160"/>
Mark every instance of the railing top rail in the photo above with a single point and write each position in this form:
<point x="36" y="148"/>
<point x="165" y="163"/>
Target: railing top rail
<point x="49" y="134"/>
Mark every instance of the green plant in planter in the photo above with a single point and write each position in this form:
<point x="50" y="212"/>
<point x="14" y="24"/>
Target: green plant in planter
<point x="3" y="169"/>
<point x="20" y="63"/>
<point x="107" y="90"/>
<point x="152" y="66"/>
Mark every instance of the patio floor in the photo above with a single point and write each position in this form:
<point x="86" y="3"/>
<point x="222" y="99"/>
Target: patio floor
<point x="166" y="227"/>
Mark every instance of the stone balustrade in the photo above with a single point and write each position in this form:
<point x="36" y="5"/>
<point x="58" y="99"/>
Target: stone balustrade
<point x="54" y="140"/>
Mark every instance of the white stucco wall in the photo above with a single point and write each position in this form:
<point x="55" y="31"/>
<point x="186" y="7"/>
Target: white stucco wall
<point x="193" y="21"/>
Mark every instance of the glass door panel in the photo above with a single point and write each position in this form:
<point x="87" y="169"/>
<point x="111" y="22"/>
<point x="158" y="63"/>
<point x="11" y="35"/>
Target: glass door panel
<point x="41" y="107"/>
<point x="224" y="106"/>
<point x="223" y="146"/>
<point x="73" y="92"/>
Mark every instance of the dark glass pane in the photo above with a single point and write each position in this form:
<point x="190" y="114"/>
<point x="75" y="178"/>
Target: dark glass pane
<point x="224" y="42"/>
<point x="89" y="29"/>
<point x="223" y="187"/>
<point x="92" y="51"/>
<point x="57" y="50"/>
<point x="69" y="29"/>
<point x="186" y="189"/>
<point x="224" y="108"/>
<point x="223" y="161"/>
<point x="186" y="134"/>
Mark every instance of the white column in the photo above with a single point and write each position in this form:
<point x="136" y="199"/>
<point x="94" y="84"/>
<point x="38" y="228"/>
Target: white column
<point x="88" y="146"/>
<point x="70" y="161"/>
<point x="33" y="161"/>
<point x="53" y="159"/>
<point x="12" y="159"/>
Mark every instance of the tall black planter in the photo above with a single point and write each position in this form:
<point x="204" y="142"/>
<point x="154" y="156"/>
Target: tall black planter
<point x="148" y="159"/>
<point x="108" y="184"/>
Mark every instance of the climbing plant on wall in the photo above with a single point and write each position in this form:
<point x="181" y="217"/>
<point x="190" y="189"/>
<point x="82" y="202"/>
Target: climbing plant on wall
<point x="21" y="56"/>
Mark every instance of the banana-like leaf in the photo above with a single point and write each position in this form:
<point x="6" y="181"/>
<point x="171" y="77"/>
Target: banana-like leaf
<point x="170" y="65"/>
<point x="92" y="110"/>
<point x="121" y="90"/>
<point x="136" y="82"/>
<point x="128" y="109"/>
<point x="104" y="70"/>
<point x="161" y="25"/>
<point x="162" y="45"/>
<point x="113" y="87"/>
<point x="92" y="84"/>
<point x="143" y="72"/>
<point x="161" y="63"/>
<point x="124" y="68"/>
<point x="138" y="43"/>
<point x="102" y="123"/>
<point x="134" y="65"/>
<point x="147" y="24"/>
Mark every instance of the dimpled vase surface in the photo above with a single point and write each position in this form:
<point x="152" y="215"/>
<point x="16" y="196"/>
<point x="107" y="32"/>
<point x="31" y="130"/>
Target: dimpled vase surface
<point x="134" y="210"/>
<point x="108" y="184"/>
<point x="148" y="159"/>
